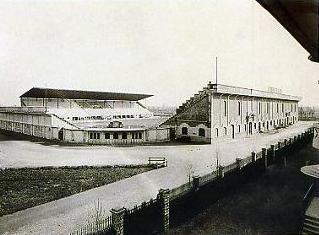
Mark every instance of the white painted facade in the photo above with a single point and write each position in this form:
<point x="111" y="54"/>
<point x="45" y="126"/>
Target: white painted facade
<point x="81" y="121"/>
<point x="229" y="112"/>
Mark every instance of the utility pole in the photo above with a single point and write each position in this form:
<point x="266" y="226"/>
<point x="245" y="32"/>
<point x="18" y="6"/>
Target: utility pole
<point x="216" y="70"/>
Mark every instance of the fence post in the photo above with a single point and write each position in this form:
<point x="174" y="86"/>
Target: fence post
<point x="264" y="156"/>
<point x="221" y="172"/>
<point x="253" y="156"/>
<point x="273" y="153"/>
<point x="118" y="220"/>
<point x="196" y="182"/>
<point x="163" y="196"/>
<point x="238" y="161"/>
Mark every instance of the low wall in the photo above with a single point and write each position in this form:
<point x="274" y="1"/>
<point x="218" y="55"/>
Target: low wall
<point x="76" y="136"/>
<point x="39" y="131"/>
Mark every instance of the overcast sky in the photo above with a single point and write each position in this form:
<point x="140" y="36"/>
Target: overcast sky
<point x="164" y="48"/>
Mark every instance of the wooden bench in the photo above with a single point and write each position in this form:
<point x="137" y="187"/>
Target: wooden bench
<point x="158" y="161"/>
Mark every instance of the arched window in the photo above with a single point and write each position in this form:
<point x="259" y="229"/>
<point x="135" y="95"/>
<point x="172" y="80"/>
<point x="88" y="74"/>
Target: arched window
<point x="115" y="136"/>
<point x="184" y="130"/>
<point x="201" y="132"/>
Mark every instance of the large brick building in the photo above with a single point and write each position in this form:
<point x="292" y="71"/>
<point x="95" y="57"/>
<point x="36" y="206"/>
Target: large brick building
<point x="220" y="111"/>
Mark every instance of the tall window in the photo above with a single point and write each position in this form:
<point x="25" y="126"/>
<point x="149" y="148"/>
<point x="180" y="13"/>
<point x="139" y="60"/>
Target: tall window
<point x="267" y="107"/>
<point x="225" y="108"/>
<point x="259" y="108"/>
<point x="239" y="108"/>
<point x="124" y="135"/>
<point x="282" y="107"/>
<point x="107" y="135"/>
<point x="115" y="136"/>
<point x="277" y="107"/>
<point x="216" y="132"/>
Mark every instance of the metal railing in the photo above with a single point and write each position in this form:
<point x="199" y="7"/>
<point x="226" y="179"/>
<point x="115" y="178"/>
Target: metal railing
<point x="16" y="109"/>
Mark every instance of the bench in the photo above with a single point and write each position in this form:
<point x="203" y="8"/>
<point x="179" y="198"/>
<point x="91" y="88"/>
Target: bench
<point x="158" y="161"/>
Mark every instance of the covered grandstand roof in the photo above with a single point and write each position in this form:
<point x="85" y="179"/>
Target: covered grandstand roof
<point x="79" y="94"/>
<point x="300" y="18"/>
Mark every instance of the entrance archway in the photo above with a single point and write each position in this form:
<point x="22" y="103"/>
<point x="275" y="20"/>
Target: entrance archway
<point x="61" y="135"/>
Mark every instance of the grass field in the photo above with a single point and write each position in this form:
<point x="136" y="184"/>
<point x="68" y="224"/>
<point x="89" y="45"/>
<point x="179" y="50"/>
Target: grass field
<point x="27" y="187"/>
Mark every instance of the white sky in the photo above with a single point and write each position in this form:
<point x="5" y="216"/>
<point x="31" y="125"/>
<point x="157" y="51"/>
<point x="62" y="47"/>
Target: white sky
<point x="165" y="48"/>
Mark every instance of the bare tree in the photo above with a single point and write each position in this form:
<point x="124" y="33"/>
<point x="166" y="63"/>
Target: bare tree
<point x="189" y="171"/>
<point x="96" y="215"/>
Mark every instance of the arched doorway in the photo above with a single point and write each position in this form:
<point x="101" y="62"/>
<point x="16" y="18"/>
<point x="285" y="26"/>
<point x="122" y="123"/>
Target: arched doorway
<point x="60" y="134"/>
<point x="184" y="130"/>
<point x="201" y="132"/>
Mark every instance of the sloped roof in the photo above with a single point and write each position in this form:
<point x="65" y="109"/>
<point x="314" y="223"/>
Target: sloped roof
<point x="312" y="171"/>
<point x="79" y="94"/>
<point x="300" y="18"/>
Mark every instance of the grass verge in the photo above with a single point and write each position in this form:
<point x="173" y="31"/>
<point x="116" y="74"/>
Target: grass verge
<point x="28" y="187"/>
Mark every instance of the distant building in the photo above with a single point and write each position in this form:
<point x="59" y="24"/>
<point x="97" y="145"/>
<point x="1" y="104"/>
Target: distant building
<point x="306" y="113"/>
<point x="83" y="117"/>
<point x="220" y="111"/>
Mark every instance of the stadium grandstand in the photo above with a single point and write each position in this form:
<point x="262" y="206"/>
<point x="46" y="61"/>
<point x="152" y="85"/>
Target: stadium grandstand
<point x="77" y="116"/>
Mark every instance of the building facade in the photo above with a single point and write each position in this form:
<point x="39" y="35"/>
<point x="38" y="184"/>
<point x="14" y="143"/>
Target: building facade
<point x="78" y="117"/>
<point x="220" y="111"/>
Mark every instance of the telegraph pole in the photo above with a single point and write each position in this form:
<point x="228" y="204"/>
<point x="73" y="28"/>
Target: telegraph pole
<point x="216" y="70"/>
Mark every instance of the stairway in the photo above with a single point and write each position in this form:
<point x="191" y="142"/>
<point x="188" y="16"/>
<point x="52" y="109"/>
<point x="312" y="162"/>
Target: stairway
<point x="200" y="95"/>
<point x="188" y="104"/>
<point x="311" y="217"/>
<point x="310" y="225"/>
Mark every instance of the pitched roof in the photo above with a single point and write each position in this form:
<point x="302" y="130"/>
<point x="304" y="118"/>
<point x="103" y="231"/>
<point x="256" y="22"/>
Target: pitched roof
<point x="79" y="94"/>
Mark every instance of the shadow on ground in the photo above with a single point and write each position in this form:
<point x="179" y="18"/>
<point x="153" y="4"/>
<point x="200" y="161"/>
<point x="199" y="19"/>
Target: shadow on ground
<point x="270" y="203"/>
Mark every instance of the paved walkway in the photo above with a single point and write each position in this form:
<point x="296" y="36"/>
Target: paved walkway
<point x="65" y="215"/>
